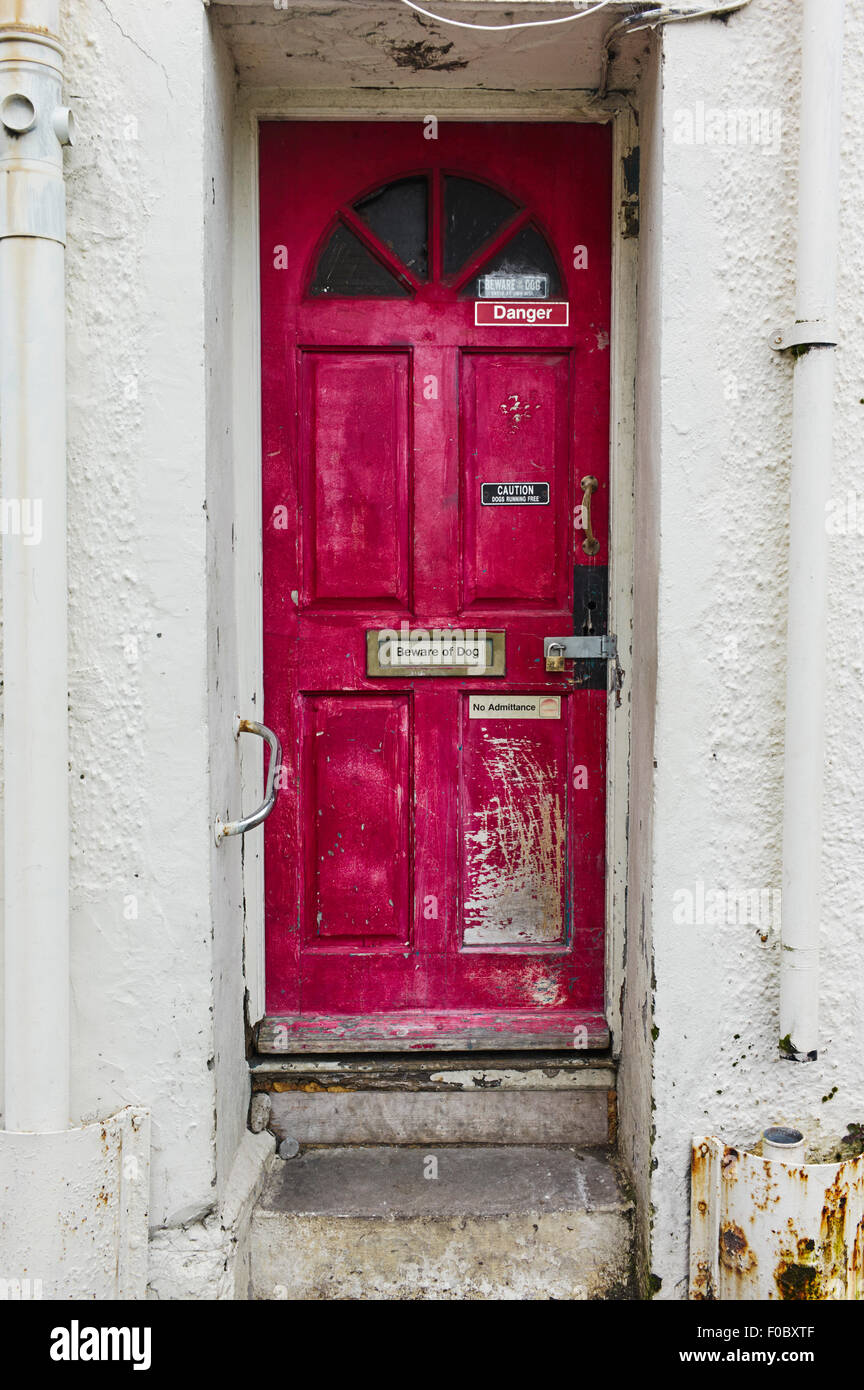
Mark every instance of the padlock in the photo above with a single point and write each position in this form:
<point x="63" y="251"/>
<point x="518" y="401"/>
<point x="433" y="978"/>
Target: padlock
<point x="555" y="658"/>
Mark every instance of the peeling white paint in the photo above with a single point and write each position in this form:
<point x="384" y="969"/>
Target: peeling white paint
<point x="210" y="1259"/>
<point x="388" y="46"/>
<point x="97" y="1180"/>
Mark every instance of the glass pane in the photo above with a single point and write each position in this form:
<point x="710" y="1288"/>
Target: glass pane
<point x="528" y="261"/>
<point x="398" y="216"/>
<point x="345" y="267"/>
<point x="472" y="214"/>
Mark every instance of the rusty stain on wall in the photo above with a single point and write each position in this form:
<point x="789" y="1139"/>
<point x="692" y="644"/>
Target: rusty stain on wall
<point x="735" y="1253"/>
<point x="762" y="1229"/>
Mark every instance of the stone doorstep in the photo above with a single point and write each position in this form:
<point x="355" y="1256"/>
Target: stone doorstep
<point x="391" y="1222"/>
<point x="442" y="1072"/>
<point x="575" y="1117"/>
<point x="514" y="1098"/>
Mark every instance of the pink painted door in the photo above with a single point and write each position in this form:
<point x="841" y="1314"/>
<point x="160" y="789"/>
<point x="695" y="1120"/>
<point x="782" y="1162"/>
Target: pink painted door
<point x="435" y="862"/>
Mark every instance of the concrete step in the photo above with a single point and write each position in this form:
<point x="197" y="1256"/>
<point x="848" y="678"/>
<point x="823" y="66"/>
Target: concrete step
<point x="400" y="1223"/>
<point x="409" y="1101"/>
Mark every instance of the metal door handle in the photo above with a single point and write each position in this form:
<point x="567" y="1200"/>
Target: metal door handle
<point x="271" y="791"/>
<point x="589" y="486"/>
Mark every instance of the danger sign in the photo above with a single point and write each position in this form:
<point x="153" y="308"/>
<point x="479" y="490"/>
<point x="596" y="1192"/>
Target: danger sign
<point x="489" y="313"/>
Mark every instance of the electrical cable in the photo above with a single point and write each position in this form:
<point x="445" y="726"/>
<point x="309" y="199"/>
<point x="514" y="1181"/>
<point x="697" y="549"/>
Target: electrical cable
<point x="658" y="14"/>
<point x="525" y="24"/>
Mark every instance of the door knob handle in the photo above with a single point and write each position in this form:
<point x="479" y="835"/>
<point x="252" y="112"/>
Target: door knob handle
<point x="271" y="791"/>
<point x="589" y="486"/>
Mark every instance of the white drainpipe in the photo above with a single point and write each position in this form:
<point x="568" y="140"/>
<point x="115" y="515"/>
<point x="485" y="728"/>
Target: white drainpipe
<point x="33" y="127"/>
<point x="814" y="334"/>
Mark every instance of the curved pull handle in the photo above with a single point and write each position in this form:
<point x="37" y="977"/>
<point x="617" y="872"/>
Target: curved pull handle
<point x="239" y="827"/>
<point x="589" y="486"/>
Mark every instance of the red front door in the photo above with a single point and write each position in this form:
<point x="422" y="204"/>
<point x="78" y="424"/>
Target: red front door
<point x="435" y="862"/>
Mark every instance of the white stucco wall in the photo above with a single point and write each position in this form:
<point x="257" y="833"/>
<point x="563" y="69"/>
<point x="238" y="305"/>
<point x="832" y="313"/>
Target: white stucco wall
<point x="140" y="419"/>
<point x="728" y="247"/>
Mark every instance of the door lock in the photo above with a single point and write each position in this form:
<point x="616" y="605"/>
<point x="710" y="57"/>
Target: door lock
<point x="557" y="650"/>
<point x="554" y="653"/>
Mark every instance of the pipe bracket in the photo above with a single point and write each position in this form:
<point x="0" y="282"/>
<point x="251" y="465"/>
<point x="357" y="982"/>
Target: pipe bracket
<point x="804" y="333"/>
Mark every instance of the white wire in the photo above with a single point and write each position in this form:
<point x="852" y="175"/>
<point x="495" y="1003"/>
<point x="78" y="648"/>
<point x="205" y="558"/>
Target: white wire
<point x="525" y="24"/>
<point x="676" y="17"/>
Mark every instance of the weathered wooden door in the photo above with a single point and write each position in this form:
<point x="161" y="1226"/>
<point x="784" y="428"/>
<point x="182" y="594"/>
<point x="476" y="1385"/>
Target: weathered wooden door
<point x="436" y="386"/>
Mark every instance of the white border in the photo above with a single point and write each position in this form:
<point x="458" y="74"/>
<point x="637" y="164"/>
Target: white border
<point x="256" y="105"/>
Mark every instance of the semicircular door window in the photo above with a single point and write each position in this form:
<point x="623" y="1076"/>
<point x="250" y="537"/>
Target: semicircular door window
<point x="381" y="246"/>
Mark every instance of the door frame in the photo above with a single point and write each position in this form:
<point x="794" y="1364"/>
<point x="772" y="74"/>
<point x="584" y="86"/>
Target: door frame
<point x="252" y="107"/>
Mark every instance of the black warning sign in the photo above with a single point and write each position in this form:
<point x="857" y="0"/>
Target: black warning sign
<point x="514" y="494"/>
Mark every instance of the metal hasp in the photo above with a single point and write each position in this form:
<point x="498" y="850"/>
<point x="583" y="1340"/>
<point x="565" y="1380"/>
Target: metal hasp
<point x="557" y="650"/>
<point x="271" y="791"/>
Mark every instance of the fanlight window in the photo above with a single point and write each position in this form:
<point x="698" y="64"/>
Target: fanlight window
<point x="382" y="246"/>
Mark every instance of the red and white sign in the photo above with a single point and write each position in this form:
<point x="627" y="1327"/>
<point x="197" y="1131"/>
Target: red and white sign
<point x="503" y="313"/>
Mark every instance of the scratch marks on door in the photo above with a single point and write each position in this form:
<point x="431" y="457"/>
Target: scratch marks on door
<point x="515" y="847"/>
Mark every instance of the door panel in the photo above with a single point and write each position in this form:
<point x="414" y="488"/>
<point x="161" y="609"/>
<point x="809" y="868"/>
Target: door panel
<point x="434" y="866"/>
<point x="512" y="823"/>
<point x="355" y="461"/>
<point x="515" y="410"/>
<point x="356" y="809"/>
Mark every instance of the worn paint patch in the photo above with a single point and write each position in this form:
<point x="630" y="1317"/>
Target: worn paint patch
<point x="422" y="56"/>
<point x="515" y="851"/>
<point x="516" y="410"/>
